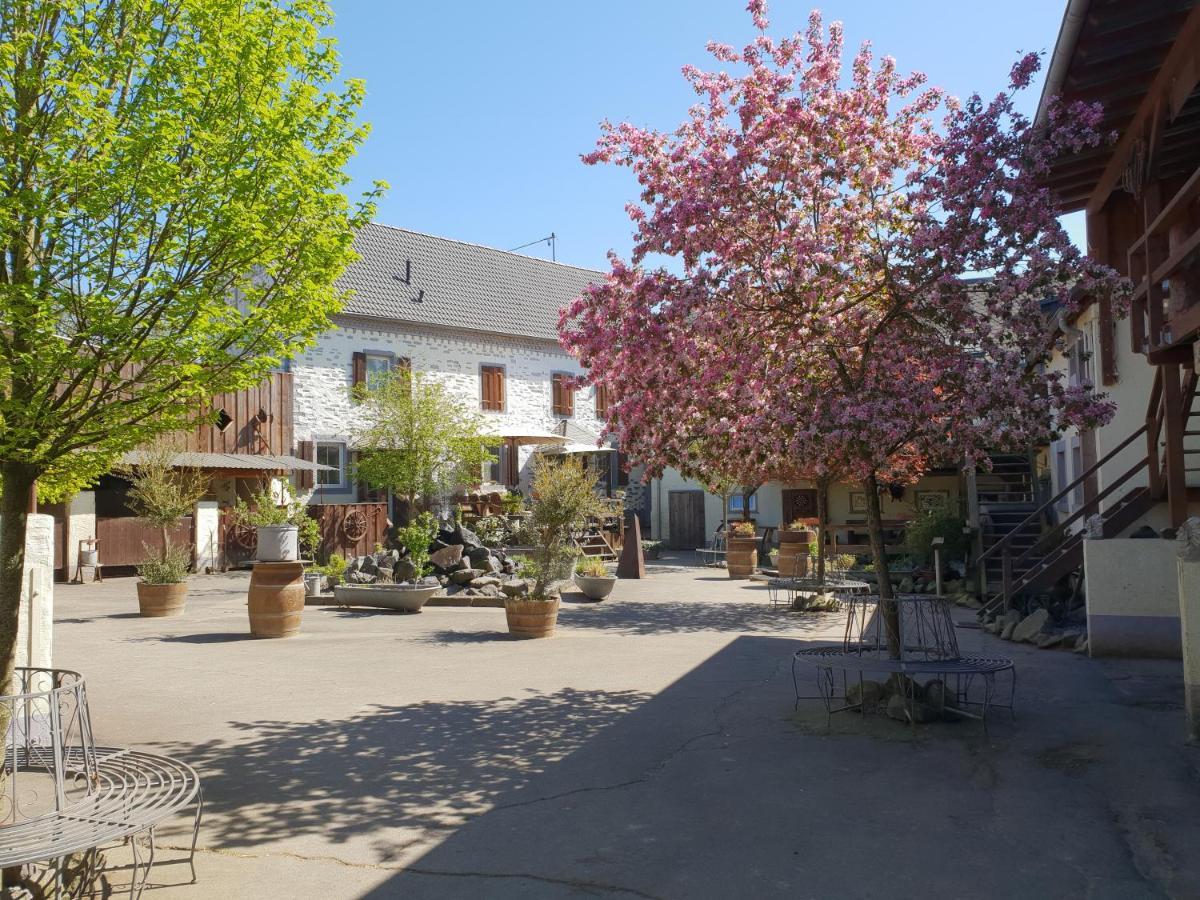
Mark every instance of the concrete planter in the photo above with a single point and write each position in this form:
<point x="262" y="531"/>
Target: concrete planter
<point x="407" y="598"/>
<point x="278" y="543"/>
<point x="596" y="587"/>
<point x="161" y="600"/>
<point x="531" y="618"/>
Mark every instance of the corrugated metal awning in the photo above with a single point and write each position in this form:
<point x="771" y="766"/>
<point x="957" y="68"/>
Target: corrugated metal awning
<point x="251" y="462"/>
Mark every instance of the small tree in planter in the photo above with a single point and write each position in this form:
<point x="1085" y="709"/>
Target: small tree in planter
<point x="162" y="495"/>
<point x="564" y="498"/>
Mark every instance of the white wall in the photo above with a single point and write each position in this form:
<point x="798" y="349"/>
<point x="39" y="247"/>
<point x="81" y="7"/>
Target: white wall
<point x="323" y="377"/>
<point x="1132" y="597"/>
<point x="81" y="512"/>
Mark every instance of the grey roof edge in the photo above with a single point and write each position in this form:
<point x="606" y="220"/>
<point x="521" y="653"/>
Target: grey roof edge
<point x="488" y="247"/>
<point x="450" y="330"/>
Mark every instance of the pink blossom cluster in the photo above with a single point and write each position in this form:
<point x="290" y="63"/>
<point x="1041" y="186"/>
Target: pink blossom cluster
<point x="823" y="318"/>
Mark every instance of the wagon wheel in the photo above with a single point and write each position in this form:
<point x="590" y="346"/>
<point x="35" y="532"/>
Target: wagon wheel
<point x="244" y="536"/>
<point x="354" y="526"/>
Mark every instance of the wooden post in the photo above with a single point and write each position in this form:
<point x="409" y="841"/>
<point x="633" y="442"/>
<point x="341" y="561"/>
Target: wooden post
<point x="1006" y="577"/>
<point x="1173" y="430"/>
<point x="632" y="563"/>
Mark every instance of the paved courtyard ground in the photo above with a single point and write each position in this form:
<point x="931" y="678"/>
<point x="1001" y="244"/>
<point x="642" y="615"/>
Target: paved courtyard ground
<point x="649" y="750"/>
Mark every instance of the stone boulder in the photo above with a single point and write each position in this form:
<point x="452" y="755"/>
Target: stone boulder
<point x="477" y="555"/>
<point x="404" y="570"/>
<point x="447" y="557"/>
<point x="464" y="576"/>
<point x="869" y="694"/>
<point x="485" y="582"/>
<point x="515" y="589"/>
<point x="1031" y="626"/>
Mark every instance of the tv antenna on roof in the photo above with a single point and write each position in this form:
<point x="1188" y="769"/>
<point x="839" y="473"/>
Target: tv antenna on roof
<point x="551" y="240"/>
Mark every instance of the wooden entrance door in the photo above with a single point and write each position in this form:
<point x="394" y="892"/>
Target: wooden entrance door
<point x="799" y="503"/>
<point x="685" y="520"/>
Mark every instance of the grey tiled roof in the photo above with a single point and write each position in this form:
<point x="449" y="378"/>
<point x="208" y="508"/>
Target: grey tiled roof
<point x="464" y="285"/>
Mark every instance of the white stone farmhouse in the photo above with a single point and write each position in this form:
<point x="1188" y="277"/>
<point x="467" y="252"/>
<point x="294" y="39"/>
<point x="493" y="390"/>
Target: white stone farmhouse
<point x="478" y="320"/>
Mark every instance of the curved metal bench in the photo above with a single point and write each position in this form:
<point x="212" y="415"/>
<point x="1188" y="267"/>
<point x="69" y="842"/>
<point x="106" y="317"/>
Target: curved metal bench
<point x="101" y="794"/>
<point x="963" y="669"/>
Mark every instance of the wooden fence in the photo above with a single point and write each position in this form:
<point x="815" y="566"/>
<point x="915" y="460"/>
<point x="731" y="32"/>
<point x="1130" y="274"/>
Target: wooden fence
<point x="350" y="529"/>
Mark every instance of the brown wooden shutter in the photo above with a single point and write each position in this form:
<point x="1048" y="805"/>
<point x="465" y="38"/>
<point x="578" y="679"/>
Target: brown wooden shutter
<point x="306" y="450"/>
<point x="563" y="395"/>
<point x="358" y="368"/>
<point x="491" y="380"/>
<point x="601" y="402"/>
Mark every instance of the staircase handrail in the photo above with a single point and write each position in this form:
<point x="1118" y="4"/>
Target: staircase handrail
<point x="1137" y="467"/>
<point x="1034" y="516"/>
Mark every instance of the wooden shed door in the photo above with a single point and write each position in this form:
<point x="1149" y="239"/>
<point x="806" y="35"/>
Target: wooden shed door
<point x="685" y="520"/>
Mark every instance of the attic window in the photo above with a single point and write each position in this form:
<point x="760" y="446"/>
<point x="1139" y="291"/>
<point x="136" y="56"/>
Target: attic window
<point x="224" y="420"/>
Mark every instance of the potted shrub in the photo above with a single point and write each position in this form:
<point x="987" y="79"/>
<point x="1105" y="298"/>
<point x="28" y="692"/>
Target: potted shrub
<point x="277" y="526"/>
<point x="161" y="495"/>
<point x="652" y="549"/>
<point x="405" y="596"/>
<point x="796" y="542"/>
<point x="564" y="498"/>
<point x="741" y="555"/>
<point x="593" y="578"/>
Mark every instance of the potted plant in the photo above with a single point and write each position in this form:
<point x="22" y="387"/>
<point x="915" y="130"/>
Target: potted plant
<point x="796" y="542"/>
<point x="277" y="526"/>
<point x="593" y="578"/>
<point x="161" y="495"/>
<point x="564" y="498"/>
<point x="652" y="549"/>
<point x="741" y="555"/>
<point x="405" y="596"/>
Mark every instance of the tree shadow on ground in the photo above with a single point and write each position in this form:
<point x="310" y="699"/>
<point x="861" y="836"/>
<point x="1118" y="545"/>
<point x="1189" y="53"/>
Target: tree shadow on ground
<point x="215" y="637"/>
<point x="407" y="770"/>
<point x="662" y="617"/>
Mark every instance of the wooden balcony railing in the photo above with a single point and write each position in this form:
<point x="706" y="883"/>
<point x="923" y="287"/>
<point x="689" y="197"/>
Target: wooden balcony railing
<point x="1166" y="319"/>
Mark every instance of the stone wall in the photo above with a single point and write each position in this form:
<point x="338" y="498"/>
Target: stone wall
<point x="323" y="376"/>
<point x="35" y="630"/>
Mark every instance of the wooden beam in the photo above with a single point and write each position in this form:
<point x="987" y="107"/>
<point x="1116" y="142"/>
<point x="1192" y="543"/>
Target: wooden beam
<point x="1177" y="70"/>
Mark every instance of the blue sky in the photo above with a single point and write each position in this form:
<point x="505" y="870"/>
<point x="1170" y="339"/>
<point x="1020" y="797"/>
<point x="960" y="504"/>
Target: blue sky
<point x="480" y="109"/>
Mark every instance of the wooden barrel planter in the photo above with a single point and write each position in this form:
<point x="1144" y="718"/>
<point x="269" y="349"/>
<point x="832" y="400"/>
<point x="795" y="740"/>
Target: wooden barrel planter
<point x="160" y="600"/>
<point x="794" y="549"/>
<point x="741" y="556"/>
<point x="531" y="618"/>
<point x="276" y="599"/>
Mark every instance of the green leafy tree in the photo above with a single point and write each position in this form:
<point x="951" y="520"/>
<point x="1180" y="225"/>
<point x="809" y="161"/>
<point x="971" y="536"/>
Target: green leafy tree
<point x="172" y="222"/>
<point x="417" y="440"/>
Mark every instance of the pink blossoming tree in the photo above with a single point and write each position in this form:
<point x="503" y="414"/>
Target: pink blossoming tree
<point x="824" y="225"/>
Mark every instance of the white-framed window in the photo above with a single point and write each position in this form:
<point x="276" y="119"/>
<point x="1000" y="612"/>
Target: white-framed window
<point x="1080" y="363"/>
<point x="1059" y="451"/>
<point x="379" y="366"/>
<point x="1076" y="471"/>
<point x="736" y="502"/>
<point x="333" y="454"/>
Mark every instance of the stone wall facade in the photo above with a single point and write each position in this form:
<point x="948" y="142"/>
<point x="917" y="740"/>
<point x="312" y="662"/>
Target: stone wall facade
<point x="323" y="376"/>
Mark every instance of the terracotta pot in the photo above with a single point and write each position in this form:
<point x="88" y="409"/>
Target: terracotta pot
<point x="159" y="600"/>
<point x="531" y="618"/>
<point x="741" y="556"/>
<point x="794" y="549"/>
<point x="276" y="599"/>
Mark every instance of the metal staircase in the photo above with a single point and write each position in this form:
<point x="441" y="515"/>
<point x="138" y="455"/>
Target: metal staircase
<point x="1020" y="556"/>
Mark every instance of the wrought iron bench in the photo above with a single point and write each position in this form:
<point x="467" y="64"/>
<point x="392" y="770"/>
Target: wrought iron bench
<point x="714" y="553"/>
<point x="100" y="795"/>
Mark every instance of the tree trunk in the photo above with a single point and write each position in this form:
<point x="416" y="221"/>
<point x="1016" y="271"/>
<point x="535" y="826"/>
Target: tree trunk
<point x="166" y="538"/>
<point x="887" y="603"/>
<point x="822" y="516"/>
<point x="16" y="485"/>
